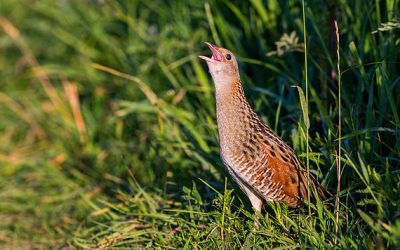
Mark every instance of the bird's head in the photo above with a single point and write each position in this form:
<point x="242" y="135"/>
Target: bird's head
<point x="222" y="64"/>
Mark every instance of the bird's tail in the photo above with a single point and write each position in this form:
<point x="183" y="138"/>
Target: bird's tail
<point x="315" y="189"/>
<point x="322" y="192"/>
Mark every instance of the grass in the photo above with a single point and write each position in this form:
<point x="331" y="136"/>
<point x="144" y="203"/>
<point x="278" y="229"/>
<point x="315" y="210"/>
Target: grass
<point x="108" y="134"/>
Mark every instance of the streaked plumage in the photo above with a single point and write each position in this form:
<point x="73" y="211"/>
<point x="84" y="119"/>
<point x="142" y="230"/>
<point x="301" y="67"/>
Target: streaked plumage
<point x="263" y="165"/>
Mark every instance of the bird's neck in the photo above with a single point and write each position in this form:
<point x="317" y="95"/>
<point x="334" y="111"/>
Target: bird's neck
<point x="234" y="115"/>
<point x="230" y="95"/>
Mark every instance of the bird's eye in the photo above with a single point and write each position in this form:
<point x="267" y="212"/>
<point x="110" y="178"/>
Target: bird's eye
<point x="228" y="57"/>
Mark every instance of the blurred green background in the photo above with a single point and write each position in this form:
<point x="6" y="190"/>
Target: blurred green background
<point x="108" y="128"/>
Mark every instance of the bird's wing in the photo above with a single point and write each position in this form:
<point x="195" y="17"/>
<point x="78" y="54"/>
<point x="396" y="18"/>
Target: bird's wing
<point x="290" y="173"/>
<point x="275" y="173"/>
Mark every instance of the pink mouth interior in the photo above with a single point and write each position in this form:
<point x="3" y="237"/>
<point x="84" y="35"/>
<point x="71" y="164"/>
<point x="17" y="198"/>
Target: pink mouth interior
<point x="216" y="56"/>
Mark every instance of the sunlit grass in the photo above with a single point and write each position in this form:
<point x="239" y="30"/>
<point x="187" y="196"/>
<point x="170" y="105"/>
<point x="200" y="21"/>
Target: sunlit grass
<point x="109" y="136"/>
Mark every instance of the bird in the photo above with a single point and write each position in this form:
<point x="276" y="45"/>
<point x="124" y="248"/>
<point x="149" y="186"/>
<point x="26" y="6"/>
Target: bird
<point x="265" y="168"/>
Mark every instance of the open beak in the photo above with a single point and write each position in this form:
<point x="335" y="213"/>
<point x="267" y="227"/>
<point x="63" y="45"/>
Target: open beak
<point x="216" y="55"/>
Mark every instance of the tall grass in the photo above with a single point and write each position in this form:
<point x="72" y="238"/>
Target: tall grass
<point x="108" y="122"/>
<point x="339" y="150"/>
<point x="305" y="107"/>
